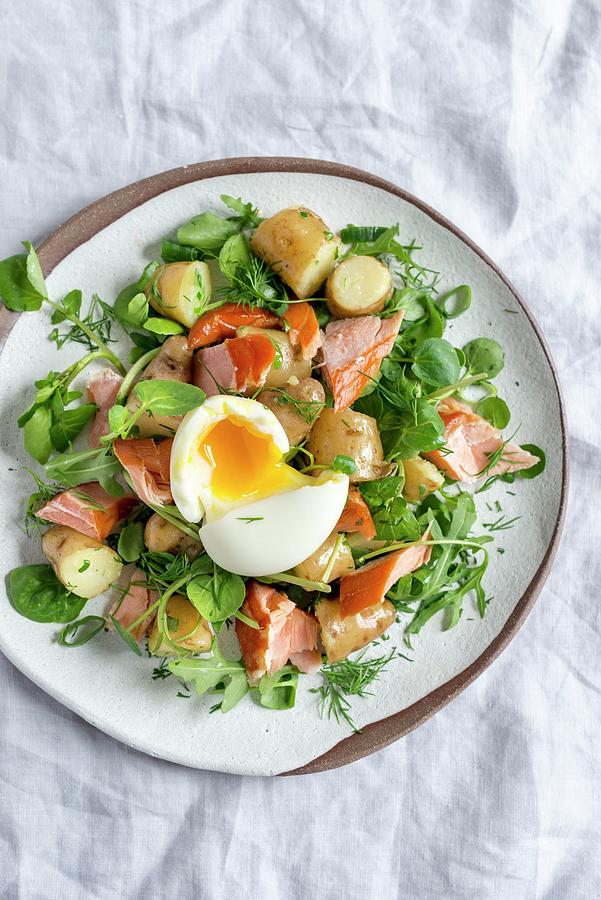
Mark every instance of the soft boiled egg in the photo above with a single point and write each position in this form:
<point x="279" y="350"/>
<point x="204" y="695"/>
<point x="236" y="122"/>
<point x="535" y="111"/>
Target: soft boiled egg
<point x="260" y="516"/>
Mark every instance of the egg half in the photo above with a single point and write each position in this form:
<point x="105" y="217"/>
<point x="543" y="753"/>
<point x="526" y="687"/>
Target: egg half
<point x="260" y="516"/>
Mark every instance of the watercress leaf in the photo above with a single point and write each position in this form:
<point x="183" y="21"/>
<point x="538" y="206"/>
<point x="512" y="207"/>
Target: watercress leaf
<point x="410" y="300"/>
<point x="81" y="631"/>
<point x="126" y="295"/>
<point x="536" y="469"/>
<point x="247" y="213"/>
<point x="484" y="355"/>
<point x="117" y="416"/>
<point x="431" y="325"/>
<point x="436" y="363"/>
<point x="131" y="542"/>
<point x="381" y="491"/>
<point x="207" y="232"/>
<point x="34" y="270"/>
<point x="137" y="309"/>
<point x="278" y="691"/>
<point x="163" y="326"/>
<point x="36" y="593"/>
<point x="126" y="636"/>
<point x="342" y="463"/>
<point x="169" y="398"/>
<point x="36" y="434"/>
<point x="71" y="303"/>
<point x="65" y="430"/>
<point x="16" y="290"/>
<point x="217" y="596"/>
<point x="77" y="467"/>
<point x="234" y="254"/>
<point x="495" y="411"/>
<point x="454" y="303"/>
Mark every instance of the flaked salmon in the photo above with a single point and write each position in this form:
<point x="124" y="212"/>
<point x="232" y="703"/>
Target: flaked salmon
<point x="356" y="517"/>
<point x="102" y="390"/>
<point x="470" y="441"/>
<point x="285" y="633"/>
<point x="353" y="350"/>
<point x="147" y="463"/>
<point x="221" y="323"/>
<point x="87" y="509"/>
<point x="369" y="584"/>
<point x="303" y="328"/>
<point x="238" y="364"/>
<point x="131" y="604"/>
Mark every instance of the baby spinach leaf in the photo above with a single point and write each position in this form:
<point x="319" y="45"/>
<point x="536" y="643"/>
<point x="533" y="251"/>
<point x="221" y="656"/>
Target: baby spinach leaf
<point x="77" y="467"/>
<point x="169" y="398"/>
<point x="454" y="303"/>
<point x="278" y="691"/>
<point x="16" y="290"/>
<point x="216" y="673"/>
<point x="158" y="325"/>
<point x="233" y="255"/>
<point x="207" y="232"/>
<point x="436" y="363"/>
<point x="36" y="593"/>
<point x="67" y="427"/>
<point x="131" y="542"/>
<point x="36" y="434"/>
<point x="495" y="411"/>
<point x="217" y="596"/>
<point x="81" y="631"/>
<point x="484" y="355"/>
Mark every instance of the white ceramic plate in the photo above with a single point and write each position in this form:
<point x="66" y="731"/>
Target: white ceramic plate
<point x="107" y="685"/>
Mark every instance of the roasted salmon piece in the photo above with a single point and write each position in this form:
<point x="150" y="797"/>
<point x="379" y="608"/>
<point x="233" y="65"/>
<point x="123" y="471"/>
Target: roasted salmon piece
<point x="87" y="509"/>
<point x="102" y="390"/>
<point x="303" y="328"/>
<point x="353" y="350"/>
<point x="147" y="463"/>
<point x="238" y="364"/>
<point x="469" y="443"/>
<point x="132" y="603"/>
<point x="221" y="323"/>
<point x="356" y="517"/>
<point x="285" y="633"/>
<point x="369" y="584"/>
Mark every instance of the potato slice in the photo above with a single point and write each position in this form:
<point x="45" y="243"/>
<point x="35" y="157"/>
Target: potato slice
<point x="359" y="286"/>
<point x="187" y="629"/>
<point x="172" y="363"/>
<point x="179" y="290"/>
<point x="296" y="407"/>
<point x="349" y="433"/>
<point x="314" y="567"/>
<point x="298" y="245"/>
<point x="288" y="362"/>
<point x="81" y="563"/>
<point x="343" y="636"/>
<point x="421" y="478"/>
<point x="163" y="537"/>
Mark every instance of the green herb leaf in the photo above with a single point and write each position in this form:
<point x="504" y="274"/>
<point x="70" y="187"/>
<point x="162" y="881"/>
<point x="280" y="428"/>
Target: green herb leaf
<point x="354" y="234"/>
<point x="126" y="636"/>
<point x="484" y="355"/>
<point x="234" y="254"/>
<point x="207" y="232"/>
<point x="278" y="691"/>
<point x="158" y="325"/>
<point x="68" y="426"/>
<point x="169" y="398"/>
<point x="216" y="673"/>
<point x="36" y="434"/>
<point x="81" y="631"/>
<point x="36" y="593"/>
<point x="217" y="596"/>
<point x="131" y="542"/>
<point x="117" y="416"/>
<point x="16" y="290"/>
<point x="133" y="316"/>
<point x="71" y="469"/>
<point x="536" y="469"/>
<point x="174" y="252"/>
<point x="342" y="463"/>
<point x="454" y="303"/>
<point x="436" y="363"/>
<point x="247" y="213"/>
<point x="34" y="270"/>
<point x="495" y="411"/>
<point x="71" y="303"/>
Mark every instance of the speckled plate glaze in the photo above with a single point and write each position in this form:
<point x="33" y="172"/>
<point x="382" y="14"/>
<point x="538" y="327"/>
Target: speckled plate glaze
<point x="104" y="247"/>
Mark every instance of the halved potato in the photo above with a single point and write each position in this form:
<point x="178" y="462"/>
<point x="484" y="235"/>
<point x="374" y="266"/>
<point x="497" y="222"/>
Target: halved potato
<point x="173" y="362"/>
<point x="187" y="629"/>
<point x="298" y="245"/>
<point x="421" y="478"/>
<point x="314" y="567"/>
<point x="353" y="434"/>
<point x="288" y="362"/>
<point x="179" y="290"/>
<point x="343" y="636"/>
<point x="296" y="407"/>
<point x="81" y="563"/>
<point x="359" y="286"/>
<point x="163" y="537"/>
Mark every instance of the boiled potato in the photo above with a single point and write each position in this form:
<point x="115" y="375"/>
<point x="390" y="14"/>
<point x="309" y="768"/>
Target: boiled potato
<point x="179" y="290"/>
<point x="353" y="434"/>
<point x="360" y="285"/>
<point x="163" y="537"/>
<point x="298" y="245"/>
<point x="173" y="362"/>
<point x="288" y="364"/>
<point x="343" y="636"/>
<point x="421" y="478"/>
<point x="81" y="563"/>
<point x="314" y="567"/>
<point x="187" y="629"/>
<point x="296" y="407"/>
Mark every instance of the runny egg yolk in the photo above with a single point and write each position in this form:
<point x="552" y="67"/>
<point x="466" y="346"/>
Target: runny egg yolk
<point x="245" y="462"/>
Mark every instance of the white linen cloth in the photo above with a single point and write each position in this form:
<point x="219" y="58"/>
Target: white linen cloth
<point x="489" y="111"/>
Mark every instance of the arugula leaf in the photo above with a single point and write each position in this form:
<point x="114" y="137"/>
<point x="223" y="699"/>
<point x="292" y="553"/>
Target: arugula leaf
<point x="278" y="691"/>
<point x="436" y="363"/>
<point x="217" y="596"/>
<point x="71" y="469"/>
<point x="67" y="427"/>
<point x="131" y="542"/>
<point x="216" y="673"/>
<point x="169" y="398"/>
<point x="36" y="593"/>
<point x="247" y="213"/>
<point x="207" y="232"/>
<point x="484" y="355"/>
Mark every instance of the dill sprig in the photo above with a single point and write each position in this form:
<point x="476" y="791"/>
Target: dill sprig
<point x="308" y="410"/>
<point x="99" y="320"/>
<point x="256" y="284"/>
<point x="349" y="678"/>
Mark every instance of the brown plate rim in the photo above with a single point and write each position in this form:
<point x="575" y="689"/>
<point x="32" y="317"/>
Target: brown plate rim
<point x="98" y="215"/>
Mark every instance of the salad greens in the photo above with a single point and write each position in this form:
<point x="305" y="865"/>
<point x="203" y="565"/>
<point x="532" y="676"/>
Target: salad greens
<point x="405" y="396"/>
